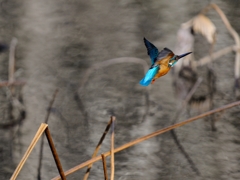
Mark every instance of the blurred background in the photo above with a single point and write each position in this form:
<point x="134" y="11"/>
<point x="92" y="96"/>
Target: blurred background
<point x="58" y="41"/>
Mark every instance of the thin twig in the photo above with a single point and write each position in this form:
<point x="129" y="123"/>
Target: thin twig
<point x="82" y="107"/>
<point x="205" y="60"/>
<point x="37" y="136"/>
<point x="14" y="83"/>
<point x="54" y="153"/>
<point x="232" y="32"/>
<point x="176" y="117"/>
<point x="50" y="105"/>
<point x="181" y="108"/>
<point x="42" y="140"/>
<point x="112" y="149"/>
<point x="141" y="139"/>
<point x="184" y="152"/>
<point x="11" y="66"/>
<point x="104" y="167"/>
<point x="98" y="147"/>
<point x="192" y="91"/>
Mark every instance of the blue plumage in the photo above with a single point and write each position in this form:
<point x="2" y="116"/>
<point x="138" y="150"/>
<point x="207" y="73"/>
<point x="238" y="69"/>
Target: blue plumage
<point x="149" y="76"/>
<point x="152" y="50"/>
<point x="161" y="62"/>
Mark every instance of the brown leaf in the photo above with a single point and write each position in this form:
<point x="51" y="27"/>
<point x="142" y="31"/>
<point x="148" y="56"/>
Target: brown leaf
<point x="203" y="25"/>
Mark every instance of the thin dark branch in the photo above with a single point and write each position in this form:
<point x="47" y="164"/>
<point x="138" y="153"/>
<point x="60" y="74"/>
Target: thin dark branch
<point x="177" y="115"/>
<point x="50" y="106"/>
<point x="42" y="140"/>
<point x="144" y="138"/>
<point x="104" y="167"/>
<point x="183" y="151"/>
<point x="234" y="35"/>
<point x="98" y="147"/>
<point x="11" y="66"/>
<point x="14" y="83"/>
<point x="54" y="153"/>
<point x="112" y="149"/>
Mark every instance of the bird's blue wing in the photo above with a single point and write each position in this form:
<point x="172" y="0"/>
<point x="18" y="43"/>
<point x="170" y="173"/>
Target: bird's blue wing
<point x="152" y="50"/>
<point x="149" y="76"/>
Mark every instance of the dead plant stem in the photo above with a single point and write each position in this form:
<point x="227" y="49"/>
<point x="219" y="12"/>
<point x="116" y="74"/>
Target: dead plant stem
<point x="37" y="136"/>
<point x="98" y="147"/>
<point x="104" y="167"/>
<point x="42" y="140"/>
<point x="112" y="150"/>
<point x="161" y="131"/>
<point x="54" y="153"/>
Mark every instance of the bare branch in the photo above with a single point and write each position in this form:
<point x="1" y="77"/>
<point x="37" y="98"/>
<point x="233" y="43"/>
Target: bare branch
<point x="14" y="83"/>
<point x="37" y="136"/>
<point x="98" y="147"/>
<point x="231" y="31"/>
<point x="11" y="68"/>
<point x="54" y="153"/>
<point x="141" y="139"/>
<point x="42" y="140"/>
<point x="112" y="150"/>
<point x="104" y="167"/>
<point x="207" y="59"/>
<point x="179" y="112"/>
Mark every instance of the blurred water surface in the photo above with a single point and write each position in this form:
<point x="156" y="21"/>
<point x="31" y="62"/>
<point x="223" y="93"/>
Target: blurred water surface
<point x="59" y="40"/>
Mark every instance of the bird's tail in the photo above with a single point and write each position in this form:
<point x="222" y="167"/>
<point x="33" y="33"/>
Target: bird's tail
<point x="149" y="76"/>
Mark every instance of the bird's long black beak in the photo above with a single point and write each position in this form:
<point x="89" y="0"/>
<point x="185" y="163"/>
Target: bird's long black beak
<point x="181" y="56"/>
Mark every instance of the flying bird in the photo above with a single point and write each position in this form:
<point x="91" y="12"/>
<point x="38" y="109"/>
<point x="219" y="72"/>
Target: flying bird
<point x="161" y="62"/>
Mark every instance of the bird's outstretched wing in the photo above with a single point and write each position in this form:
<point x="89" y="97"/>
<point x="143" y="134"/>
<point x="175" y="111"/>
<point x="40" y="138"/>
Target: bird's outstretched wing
<point x="164" y="53"/>
<point x="152" y="50"/>
<point x="149" y="76"/>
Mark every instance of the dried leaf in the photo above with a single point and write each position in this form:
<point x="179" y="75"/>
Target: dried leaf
<point x="203" y="25"/>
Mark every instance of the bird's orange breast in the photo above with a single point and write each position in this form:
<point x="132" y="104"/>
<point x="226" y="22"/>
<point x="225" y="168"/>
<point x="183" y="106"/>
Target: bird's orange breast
<point x="162" y="71"/>
<point x="164" y="67"/>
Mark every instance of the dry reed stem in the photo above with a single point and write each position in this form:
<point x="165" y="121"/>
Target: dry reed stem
<point x="180" y="110"/>
<point x="104" y="167"/>
<point x="11" y="66"/>
<point x="192" y="91"/>
<point x="98" y="147"/>
<point x="54" y="153"/>
<point x="205" y="60"/>
<point x="42" y="140"/>
<point x="41" y="129"/>
<point x="231" y="31"/>
<point x="15" y="83"/>
<point x="161" y="131"/>
<point x="112" y="149"/>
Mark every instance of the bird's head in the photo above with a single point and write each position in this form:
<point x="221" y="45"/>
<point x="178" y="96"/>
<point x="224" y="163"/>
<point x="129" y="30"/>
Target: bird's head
<point x="175" y="58"/>
<point x="181" y="56"/>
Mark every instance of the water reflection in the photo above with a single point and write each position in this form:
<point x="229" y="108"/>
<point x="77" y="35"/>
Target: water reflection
<point x="47" y="32"/>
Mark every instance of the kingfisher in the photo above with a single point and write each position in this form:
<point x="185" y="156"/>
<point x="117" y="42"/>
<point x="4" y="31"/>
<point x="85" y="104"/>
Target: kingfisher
<point x="161" y="62"/>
